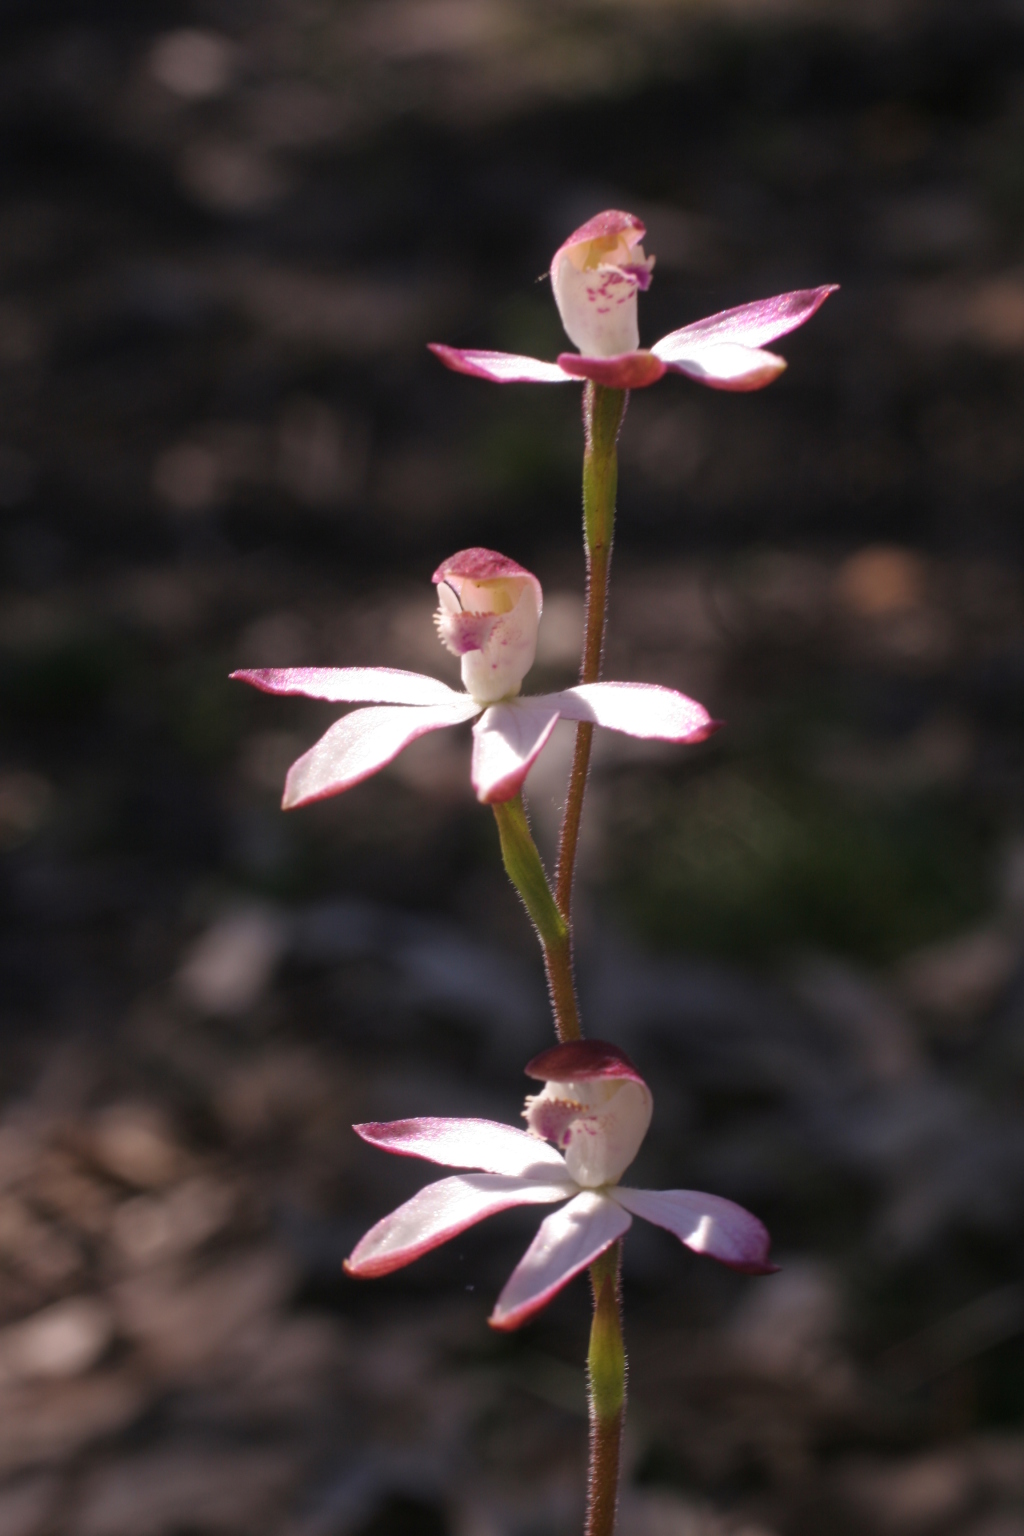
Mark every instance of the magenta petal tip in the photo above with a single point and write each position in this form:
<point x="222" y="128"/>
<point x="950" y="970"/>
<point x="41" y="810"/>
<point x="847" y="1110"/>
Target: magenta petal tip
<point x="610" y="222"/>
<point x="630" y="370"/>
<point x="479" y="564"/>
<point x="499" y="367"/>
<point x="578" y="1061"/>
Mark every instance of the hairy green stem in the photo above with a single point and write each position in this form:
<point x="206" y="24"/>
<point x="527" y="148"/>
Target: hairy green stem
<point x="526" y="871"/>
<point x="603" y="411"/>
<point x="606" y="1374"/>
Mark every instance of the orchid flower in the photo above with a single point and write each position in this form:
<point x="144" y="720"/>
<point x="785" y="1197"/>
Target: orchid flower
<point x="584" y="1130"/>
<point x="489" y="613"/>
<point x="596" y="276"/>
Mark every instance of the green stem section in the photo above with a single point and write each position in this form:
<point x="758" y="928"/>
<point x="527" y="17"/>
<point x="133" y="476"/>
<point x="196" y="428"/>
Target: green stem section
<point x="603" y="411"/>
<point x="524" y="868"/>
<point x="606" y="1371"/>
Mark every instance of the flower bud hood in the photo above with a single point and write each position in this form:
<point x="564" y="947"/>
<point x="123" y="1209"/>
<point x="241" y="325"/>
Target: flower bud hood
<point x="489" y="612"/>
<point x="595" y="1108"/>
<point x="596" y="276"/>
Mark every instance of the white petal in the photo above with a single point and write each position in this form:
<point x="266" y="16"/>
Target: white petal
<point x="507" y="739"/>
<point x="719" y="1228"/>
<point x="500" y="367"/>
<point x="352" y="685"/>
<point x="567" y="1242"/>
<point x="439" y="1212"/>
<point x="464" y="1143"/>
<point x="728" y="366"/>
<point x="362" y="743"/>
<point x="639" y="709"/>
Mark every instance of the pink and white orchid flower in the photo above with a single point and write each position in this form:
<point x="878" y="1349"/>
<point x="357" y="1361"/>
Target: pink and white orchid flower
<point x="595" y="1109"/>
<point x="596" y="276"/>
<point x="489" y="612"/>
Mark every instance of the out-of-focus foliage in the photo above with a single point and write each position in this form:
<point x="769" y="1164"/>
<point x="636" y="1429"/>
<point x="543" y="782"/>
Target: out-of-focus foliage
<point x="746" y="868"/>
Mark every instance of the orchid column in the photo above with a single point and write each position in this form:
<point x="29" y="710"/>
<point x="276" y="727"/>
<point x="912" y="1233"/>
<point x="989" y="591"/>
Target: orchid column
<point x="585" y="1127"/>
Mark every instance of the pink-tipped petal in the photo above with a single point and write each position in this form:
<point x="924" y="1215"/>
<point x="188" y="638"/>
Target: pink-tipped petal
<point x="638" y="709"/>
<point x="732" y="367"/>
<point x="439" y="1212"/>
<point x="499" y="367"/>
<point x="457" y="1143"/>
<point x="351" y="685"/>
<point x="566" y="1242"/>
<point x="630" y="370"/>
<point x="707" y="1224"/>
<point x="582" y="1061"/>
<point x="749" y="325"/>
<point x="362" y="743"/>
<point x="507" y="740"/>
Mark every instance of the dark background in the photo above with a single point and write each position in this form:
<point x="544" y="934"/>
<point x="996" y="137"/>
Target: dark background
<point x="226" y="233"/>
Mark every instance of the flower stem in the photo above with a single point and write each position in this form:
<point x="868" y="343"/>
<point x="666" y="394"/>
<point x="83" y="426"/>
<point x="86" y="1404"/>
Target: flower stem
<point x="606" y="1373"/>
<point x="526" y="871"/>
<point x="603" y="411"/>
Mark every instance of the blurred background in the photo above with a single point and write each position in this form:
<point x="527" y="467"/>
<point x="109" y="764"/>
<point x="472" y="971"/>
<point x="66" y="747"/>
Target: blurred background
<point x="227" y="230"/>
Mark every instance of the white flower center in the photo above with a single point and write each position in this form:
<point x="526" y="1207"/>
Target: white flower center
<point x="595" y="284"/>
<point x="492" y="626"/>
<point x="597" y="1125"/>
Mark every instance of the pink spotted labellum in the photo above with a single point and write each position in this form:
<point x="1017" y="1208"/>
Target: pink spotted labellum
<point x="584" y="1130"/>
<point x="489" y="613"/>
<point x="596" y="276"/>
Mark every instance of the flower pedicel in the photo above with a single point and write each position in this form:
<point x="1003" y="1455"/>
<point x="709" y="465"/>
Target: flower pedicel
<point x="596" y="277"/>
<point x="489" y="612"/>
<point x="584" y="1130"/>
